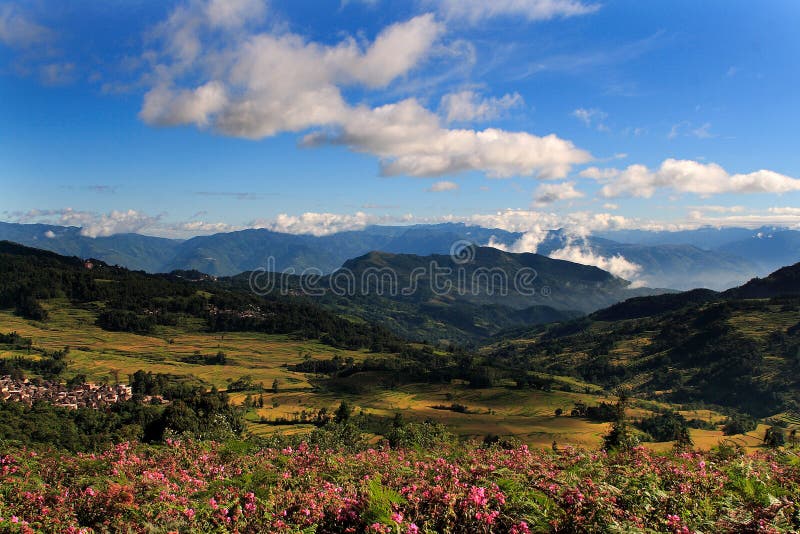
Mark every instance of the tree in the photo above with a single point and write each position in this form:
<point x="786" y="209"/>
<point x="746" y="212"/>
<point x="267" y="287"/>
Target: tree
<point x="774" y="437"/>
<point x="619" y="437"/>
<point x="342" y="412"/>
<point x="559" y="411"/>
<point x="275" y="385"/>
<point x="683" y="441"/>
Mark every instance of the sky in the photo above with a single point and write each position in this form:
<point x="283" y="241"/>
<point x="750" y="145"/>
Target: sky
<point x="202" y="116"/>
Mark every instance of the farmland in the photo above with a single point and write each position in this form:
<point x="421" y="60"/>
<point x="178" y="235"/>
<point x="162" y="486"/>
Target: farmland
<point x="527" y="415"/>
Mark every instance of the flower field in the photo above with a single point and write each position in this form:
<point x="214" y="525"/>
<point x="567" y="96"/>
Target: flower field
<point x="207" y="487"/>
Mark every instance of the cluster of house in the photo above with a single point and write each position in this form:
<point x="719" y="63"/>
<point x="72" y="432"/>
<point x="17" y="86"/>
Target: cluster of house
<point x="251" y="312"/>
<point x="83" y="396"/>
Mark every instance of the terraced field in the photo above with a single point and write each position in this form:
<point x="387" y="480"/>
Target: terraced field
<point x="100" y="354"/>
<point x="526" y="414"/>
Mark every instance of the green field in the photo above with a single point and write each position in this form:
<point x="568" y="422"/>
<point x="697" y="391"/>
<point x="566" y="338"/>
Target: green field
<point x="528" y="415"/>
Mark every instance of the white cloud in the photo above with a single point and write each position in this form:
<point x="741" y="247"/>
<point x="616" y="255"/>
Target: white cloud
<point x="687" y="129"/>
<point x="610" y="206"/>
<point x="577" y="226"/>
<point x="319" y="224"/>
<point x="686" y="176"/>
<point x="92" y="224"/>
<point x="410" y="140"/>
<point x="617" y="265"/>
<point x="17" y="30"/>
<point x="50" y="234"/>
<point x="549" y="193"/>
<point x="468" y="106"/>
<point x="260" y="84"/>
<point x="476" y="10"/>
<point x="255" y="85"/>
<point x="114" y="222"/>
<point x="57" y="73"/>
<point x="592" y="117"/>
<point x="444" y="185"/>
<point x="233" y="13"/>
<point x="166" y="107"/>
<point x="785" y="210"/>
<point x="702" y="132"/>
<point x="720" y="209"/>
<point x="782" y="218"/>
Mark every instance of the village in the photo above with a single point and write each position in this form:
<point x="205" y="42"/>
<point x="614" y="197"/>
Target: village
<point x="86" y="395"/>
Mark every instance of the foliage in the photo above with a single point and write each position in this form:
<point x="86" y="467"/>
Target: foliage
<point x="188" y="486"/>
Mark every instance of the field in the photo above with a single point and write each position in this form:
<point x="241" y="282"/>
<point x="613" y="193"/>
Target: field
<point x="528" y="415"/>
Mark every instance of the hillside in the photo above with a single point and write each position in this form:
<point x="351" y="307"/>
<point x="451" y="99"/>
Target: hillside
<point x="439" y="298"/>
<point x="738" y="349"/>
<point x="277" y="364"/>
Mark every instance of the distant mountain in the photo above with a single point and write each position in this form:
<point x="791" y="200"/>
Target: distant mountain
<point x="707" y="237"/>
<point x="743" y="253"/>
<point x="678" y="266"/>
<point x="133" y="251"/>
<point x="235" y="252"/>
<point x="712" y="258"/>
<point x="468" y="300"/>
<point x="766" y="249"/>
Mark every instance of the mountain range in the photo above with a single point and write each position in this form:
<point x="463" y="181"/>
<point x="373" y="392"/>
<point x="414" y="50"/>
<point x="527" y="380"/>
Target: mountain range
<point x="705" y="257"/>
<point x="464" y="299"/>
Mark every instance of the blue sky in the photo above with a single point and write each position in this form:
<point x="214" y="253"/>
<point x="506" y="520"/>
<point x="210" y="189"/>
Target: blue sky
<point x="181" y="118"/>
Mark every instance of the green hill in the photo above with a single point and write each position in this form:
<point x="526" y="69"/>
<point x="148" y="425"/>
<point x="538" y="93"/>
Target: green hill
<point x="739" y="349"/>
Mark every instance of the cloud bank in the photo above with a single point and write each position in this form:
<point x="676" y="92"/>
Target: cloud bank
<point x="687" y="176"/>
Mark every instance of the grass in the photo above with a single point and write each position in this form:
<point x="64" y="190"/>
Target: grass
<point x="526" y="414"/>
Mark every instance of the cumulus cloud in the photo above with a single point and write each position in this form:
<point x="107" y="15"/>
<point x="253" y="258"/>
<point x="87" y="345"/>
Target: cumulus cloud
<point x="92" y="224"/>
<point x="476" y="10"/>
<point x="50" y="234"/>
<point x="410" y="140"/>
<point x="617" y="265"/>
<point x="549" y="193"/>
<point x="466" y="106"/>
<point x="165" y="106"/>
<point x="255" y="85"/>
<point x="319" y="224"/>
<point x="260" y="84"/>
<point x="444" y="185"/>
<point x="115" y="222"/>
<point x="687" y="176"/>
<point x="19" y="31"/>
<point x="536" y="226"/>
